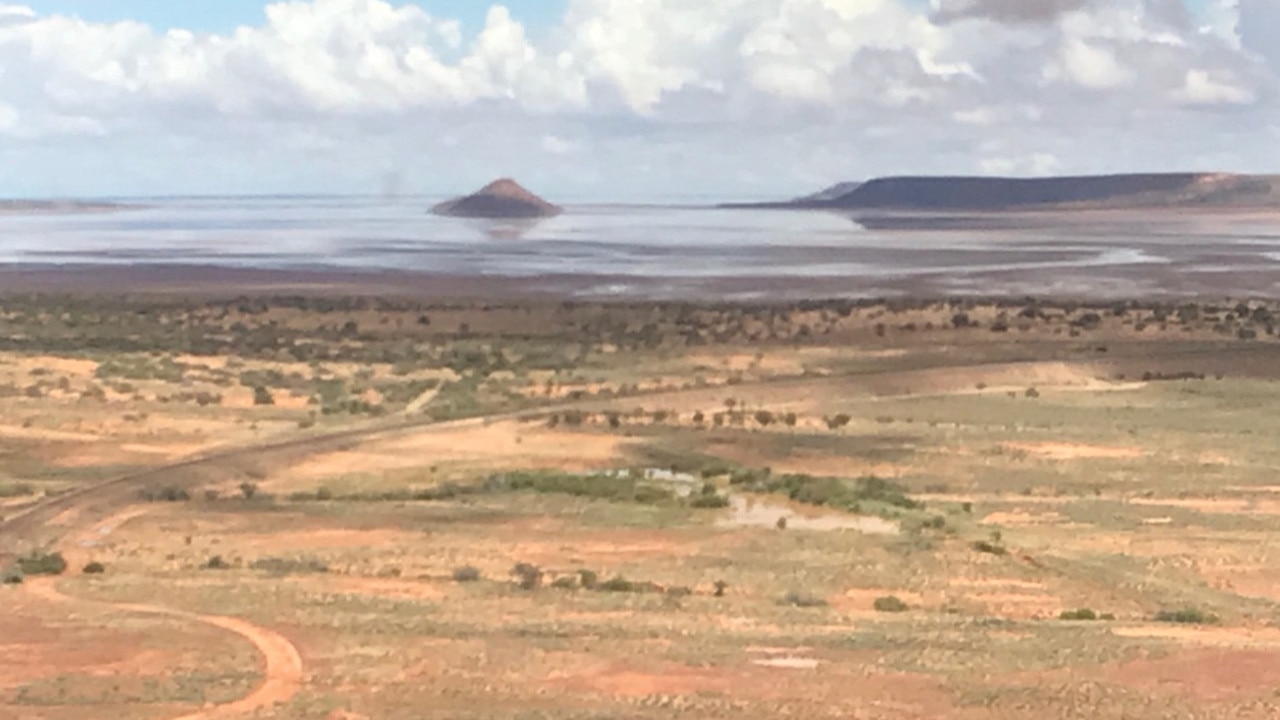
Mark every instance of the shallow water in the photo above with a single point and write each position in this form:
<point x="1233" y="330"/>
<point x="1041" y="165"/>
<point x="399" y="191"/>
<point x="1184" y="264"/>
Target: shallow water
<point x="757" y="512"/>
<point x="671" y="251"/>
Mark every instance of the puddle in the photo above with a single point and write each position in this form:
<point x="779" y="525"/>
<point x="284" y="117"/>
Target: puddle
<point x="789" y="663"/>
<point x="756" y="512"/>
<point x="683" y="484"/>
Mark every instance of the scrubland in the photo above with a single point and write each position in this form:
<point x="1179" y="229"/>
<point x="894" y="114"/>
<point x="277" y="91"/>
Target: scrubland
<point x="361" y="508"/>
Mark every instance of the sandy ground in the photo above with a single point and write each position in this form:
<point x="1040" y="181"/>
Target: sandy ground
<point x="283" y="667"/>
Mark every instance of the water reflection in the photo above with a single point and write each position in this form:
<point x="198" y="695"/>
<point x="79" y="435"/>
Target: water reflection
<point x="516" y="229"/>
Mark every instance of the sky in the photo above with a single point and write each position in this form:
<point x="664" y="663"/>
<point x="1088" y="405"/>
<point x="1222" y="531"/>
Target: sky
<point x="623" y="99"/>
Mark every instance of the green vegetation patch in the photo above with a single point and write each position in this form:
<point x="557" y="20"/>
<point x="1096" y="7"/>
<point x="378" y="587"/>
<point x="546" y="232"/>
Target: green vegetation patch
<point x="621" y="487"/>
<point x="826" y="491"/>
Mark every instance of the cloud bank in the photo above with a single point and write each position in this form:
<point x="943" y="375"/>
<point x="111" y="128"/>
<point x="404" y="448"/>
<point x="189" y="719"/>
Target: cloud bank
<point x="632" y="98"/>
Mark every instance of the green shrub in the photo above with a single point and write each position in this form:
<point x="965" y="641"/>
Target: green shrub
<point x="1186" y="616"/>
<point x="466" y="574"/>
<point x="838" y="421"/>
<point x="801" y="600"/>
<point x="168" y="493"/>
<point x="12" y="578"/>
<point x="721" y="587"/>
<point x="569" y="582"/>
<point x="990" y="548"/>
<point x="709" y="502"/>
<point x="827" y="491"/>
<point x="618" y="585"/>
<point x="289" y="566"/>
<point x="263" y="396"/>
<point x="217" y="563"/>
<point x="248" y="490"/>
<point x="588" y="579"/>
<point x="1085" y="615"/>
<point x="16" y="490"/>
<point x="528" y="577"/>
<point x="617" y="488"/>
<point x="38" y="563"/>
<point x="94" y="568"/>
<point x="890" y="604"/>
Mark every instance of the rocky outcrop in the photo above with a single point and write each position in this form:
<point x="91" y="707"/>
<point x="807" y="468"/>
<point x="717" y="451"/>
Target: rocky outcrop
<point x="503" y="199"/>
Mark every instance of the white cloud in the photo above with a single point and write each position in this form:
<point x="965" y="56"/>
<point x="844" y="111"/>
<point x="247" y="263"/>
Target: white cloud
<point x="1088" y="65"/>
<point x="1202" y="88"/>
<point x="670" y="92"/>
<point x="1036" y="164"/>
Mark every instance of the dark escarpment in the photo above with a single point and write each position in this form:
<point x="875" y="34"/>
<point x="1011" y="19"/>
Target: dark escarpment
<point x="999" y="194"/>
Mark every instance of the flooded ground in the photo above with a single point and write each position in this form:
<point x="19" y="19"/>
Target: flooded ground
<point x="672" y="251"/>
<point x="761" y="512"/>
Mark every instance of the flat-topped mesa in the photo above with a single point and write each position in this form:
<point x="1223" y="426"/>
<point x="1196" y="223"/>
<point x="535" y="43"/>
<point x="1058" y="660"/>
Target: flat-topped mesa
<point x="923" y="194"/>
<point x="502" y="199"/>
<point x="997" y="193"/>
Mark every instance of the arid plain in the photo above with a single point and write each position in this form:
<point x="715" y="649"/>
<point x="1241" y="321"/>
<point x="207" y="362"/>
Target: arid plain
<point x="304" y="507"/>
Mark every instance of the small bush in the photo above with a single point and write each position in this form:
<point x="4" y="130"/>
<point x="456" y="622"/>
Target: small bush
<point x="1186" y="616"/>
<point x="801" y="600"/>
<point x="709" y="502"/>
<point x="990" y="548"/>
<point x="16" y="490"/>
<point x="569" y="582"/>
<point x="466" y="574"/>
<point x="168" y="493"/>
<point x="262" y="396"/>
<point x="721" y="587"/>
<point x="890" y="604"/>
<point x="528" y="577"/>
<point x="838" y="421"/>
<point x="38" y="563"/>
<point x="289" y="566"/>
<point x="94" y="568"/>
<point x="217" y="563"/>
<point x="12" y="578"/>
<point x="1082" y="615"/>
<point x="618" y="585"/>
<point x="248" y="490"/>
<point x="588" y="579"/>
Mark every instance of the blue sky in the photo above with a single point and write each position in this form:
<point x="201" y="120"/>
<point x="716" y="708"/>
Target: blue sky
<point x="219" y="16"/>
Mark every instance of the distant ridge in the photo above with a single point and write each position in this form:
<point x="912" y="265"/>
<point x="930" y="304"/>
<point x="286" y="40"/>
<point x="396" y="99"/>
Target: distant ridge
<point x="502" y="199"/>
<point x="838" y="190"/>
<point x="997" y="194"/>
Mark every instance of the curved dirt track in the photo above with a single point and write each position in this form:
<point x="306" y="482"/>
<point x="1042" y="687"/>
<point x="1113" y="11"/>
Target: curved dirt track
<point x="282" y="676"/>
